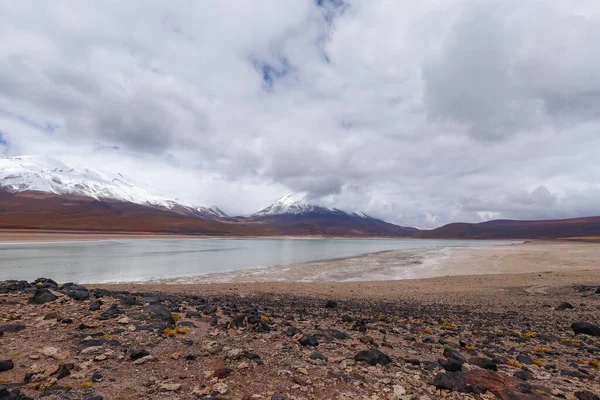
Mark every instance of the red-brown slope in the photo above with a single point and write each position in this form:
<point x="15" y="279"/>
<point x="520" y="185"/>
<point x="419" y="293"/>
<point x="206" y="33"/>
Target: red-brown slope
<point x="36" y="210"/>
<point x="48" y="211"/>
<point x="513" y="229"/>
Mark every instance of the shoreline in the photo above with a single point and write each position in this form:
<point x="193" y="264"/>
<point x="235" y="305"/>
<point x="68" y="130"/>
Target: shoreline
<point x="51" y="236"/>
<point x="414" y="264"/>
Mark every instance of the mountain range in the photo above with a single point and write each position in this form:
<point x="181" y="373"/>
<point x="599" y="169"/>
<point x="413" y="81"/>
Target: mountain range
<point x="38" y="192"/>
<point x="44" y="193"/>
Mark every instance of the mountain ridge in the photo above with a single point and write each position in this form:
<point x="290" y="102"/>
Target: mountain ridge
<point x="44" y="193"/>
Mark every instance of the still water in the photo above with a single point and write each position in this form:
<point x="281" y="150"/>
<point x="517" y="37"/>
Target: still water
<point x="147" y="259"/>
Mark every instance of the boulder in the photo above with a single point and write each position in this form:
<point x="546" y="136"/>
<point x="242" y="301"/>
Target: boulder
<point x="309" y="340"/>
<point x="372" y="357"/>
<point x="76" y="292"/>
<point x="585" y="328"/>
<point x="160" y="314"/>
<point x="42" y="296"/>
<point x="451" y="353"/>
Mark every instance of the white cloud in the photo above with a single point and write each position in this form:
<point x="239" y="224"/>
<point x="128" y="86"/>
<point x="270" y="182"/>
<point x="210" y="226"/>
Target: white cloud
<point x="418" y="113"/>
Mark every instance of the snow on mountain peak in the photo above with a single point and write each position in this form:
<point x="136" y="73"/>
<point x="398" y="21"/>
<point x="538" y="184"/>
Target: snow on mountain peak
<point x="46" y="174"/>
<point x="287" y="205"/>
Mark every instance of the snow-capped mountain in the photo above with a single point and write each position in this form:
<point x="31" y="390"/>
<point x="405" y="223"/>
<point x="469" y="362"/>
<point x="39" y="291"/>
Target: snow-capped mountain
<point x="288" y="205"/>
<point x="45" y="174"/>
<point x="297" y="216"/>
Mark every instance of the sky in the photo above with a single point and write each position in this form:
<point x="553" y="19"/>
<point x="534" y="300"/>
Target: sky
<point x="420" y="113"/>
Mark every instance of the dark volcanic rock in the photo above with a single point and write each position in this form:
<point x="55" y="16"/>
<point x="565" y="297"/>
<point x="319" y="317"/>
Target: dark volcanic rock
<point x="484" y="363"/>
<point x="12" y="328"/>
<point x="309" y="340"/>
<point x="97" y="377"/>
<point x="586" y="328"/>
<point x="524" y="359"/>
<point x="348" y="319"/>
<point x="572" y="373"/>
<point x="95" y="305"/>
<point x="5" y="365"/>
<point x="451" y="364"/>
<point x="12" y="394"/>
<point x="45" y="283"/>
<point x="564" y="306"/>
<point x="451" y="353"/>
<point x="331" y="304"/>
<point x="112" y="312"/>
<point x="340" y="335"/>
<point x="454" y="381"/>
<point x="42" y="296"/>
<point x="317" y="356"/>
<point x="136" y="354"/>
<point x="76" y="292"/>
<point x="372" y="357"/>
<point x="524" y="375"/>
<point x="586" y="395"/>
<point x="159" y="313"/>
<point x="63" y="372"/>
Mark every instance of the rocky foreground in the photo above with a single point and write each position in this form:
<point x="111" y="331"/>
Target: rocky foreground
<point x="68" y="342"/>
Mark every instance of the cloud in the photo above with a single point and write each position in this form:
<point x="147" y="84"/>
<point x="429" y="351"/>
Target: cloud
<point x="421" y="114"/>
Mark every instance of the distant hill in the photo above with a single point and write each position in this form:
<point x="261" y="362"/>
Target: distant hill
<point x="513" y="229"/>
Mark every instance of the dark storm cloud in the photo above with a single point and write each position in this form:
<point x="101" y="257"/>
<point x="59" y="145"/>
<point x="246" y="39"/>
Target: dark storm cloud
<point x="421" y="113"/>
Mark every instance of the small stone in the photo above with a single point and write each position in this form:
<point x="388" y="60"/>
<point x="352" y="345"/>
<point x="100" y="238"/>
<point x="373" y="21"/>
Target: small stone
<point x="124" y="320"/>
<point x="101" y="357"/>
<point x="372" y="357"/>
<point x="221" y="388"/>
<point x="524" y="359"/>
<point x="317" y="356"/>
<point x="143" y="360"/>
<point x="222" y="373"/>
<point x="169" y="387"/>
<point x="55" y="353"/>
<point x="484" y="363"/>
<point x="399" y="391"/>
<point x="524" y="375"/>
<point x="63" y="372"/>
<point x="97" y="377"/>
<point x="564" y="306"/>
<point x="572" y="373"/>
<point x="137" y="354"/>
